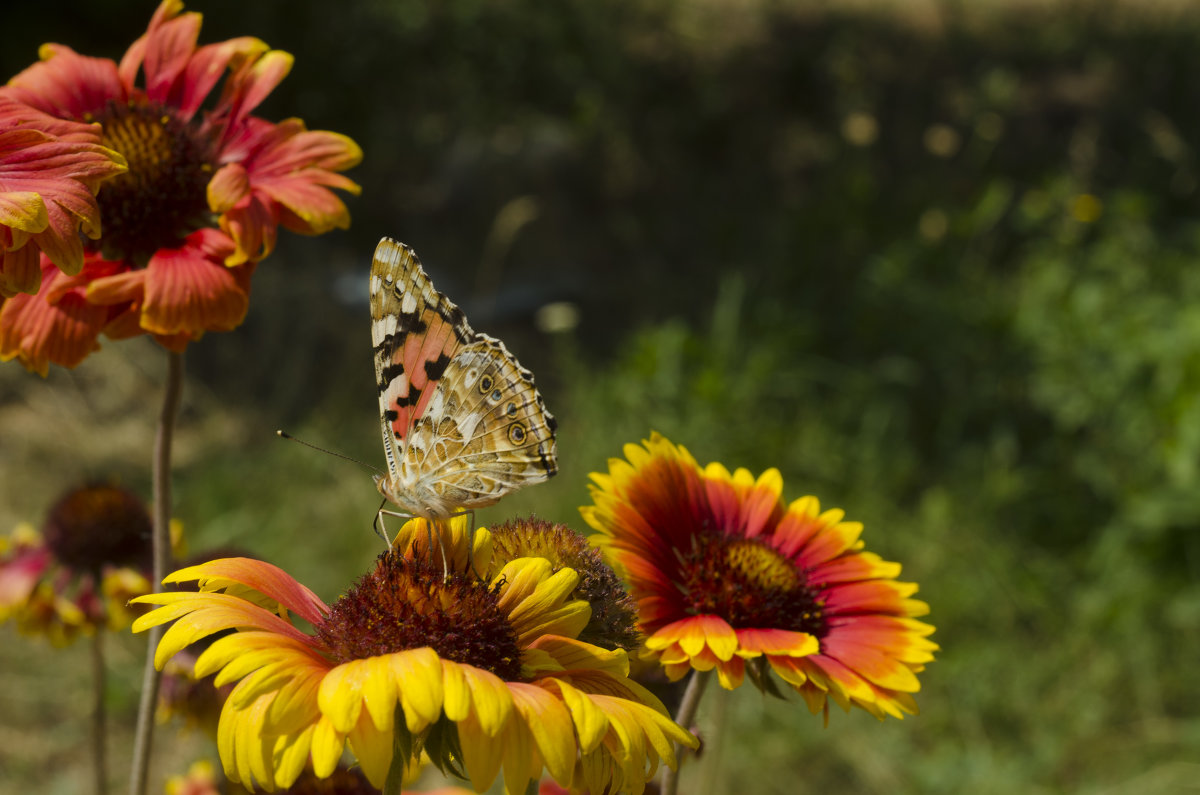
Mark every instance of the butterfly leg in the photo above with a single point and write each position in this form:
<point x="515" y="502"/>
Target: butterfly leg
<point x="441" y="548"/>
<point x="381" y="529"/>
<point x="471" y="542"/>
<point x="378" y="526"/>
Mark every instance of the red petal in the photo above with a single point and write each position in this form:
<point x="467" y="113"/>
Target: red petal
<point x="189" y="290"/>
<point x="169" y="47"/>
<point x="37" y="332"/>
<point x="19" y="271"/>
<point x="67" y="84"/>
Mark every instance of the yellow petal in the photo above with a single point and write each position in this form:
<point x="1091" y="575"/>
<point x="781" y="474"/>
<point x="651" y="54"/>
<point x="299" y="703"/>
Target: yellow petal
<point x="379" y="692"/>
<point x="551" y="726"/>
<point x="373" y="749"/>
<point x="340" y="696"/>
<point x="490" y="697"/>
<point x="482" y="752"/>
<point x="521" y="577"/>
<point x="419" y="677"/>
<point x="291" y="755"/>
<point x="327" y="744"/>
<point x="456" y="693"/>
<point x="591" y="724"/>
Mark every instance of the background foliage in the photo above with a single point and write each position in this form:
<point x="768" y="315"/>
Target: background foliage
<point x="939" y="266"/>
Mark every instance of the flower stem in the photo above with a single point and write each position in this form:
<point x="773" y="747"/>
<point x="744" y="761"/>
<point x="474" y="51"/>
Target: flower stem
<point x="685" y="717"/>
<point x="161" y="543"/>
<point x="99" y="716"/>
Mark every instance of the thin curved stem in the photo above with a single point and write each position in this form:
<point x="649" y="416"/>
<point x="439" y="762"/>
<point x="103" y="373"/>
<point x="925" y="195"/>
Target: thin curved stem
<point x="99" y="714"/>
<point x="161" y="542"/>
<point x="687" y="714"/>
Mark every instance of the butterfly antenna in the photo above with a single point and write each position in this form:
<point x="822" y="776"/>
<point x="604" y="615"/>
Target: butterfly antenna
<point x="286" y="435"/>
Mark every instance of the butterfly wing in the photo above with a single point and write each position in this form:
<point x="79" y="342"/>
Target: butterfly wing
<point x="463" y="424"/>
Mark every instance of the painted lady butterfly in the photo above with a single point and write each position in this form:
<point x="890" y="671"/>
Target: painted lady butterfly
<point x="463" y="424"/>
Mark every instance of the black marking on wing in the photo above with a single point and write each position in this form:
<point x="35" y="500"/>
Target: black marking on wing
<point x="435" y="369"/>
<point x="391" y="342"/>
<point x="408" y="400"/>
<point x="390" y="416"/>
<point x="410" y="322"/>
<point x="551" y="469"/>
<point x="390" y="373"/>
<point x="457" y="320"/>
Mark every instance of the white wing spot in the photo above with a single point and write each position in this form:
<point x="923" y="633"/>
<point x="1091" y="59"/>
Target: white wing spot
<point x="389" y="323"/>
<point x="408" y="304"/>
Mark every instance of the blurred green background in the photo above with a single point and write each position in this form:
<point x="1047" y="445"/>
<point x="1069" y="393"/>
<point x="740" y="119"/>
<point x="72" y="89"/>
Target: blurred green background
<point x="938" y="262"/>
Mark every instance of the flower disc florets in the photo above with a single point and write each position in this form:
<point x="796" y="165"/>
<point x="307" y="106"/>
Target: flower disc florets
<point x="97" y="525"/>
<point x="406" y="604"/>
<point x="162" y="198"/>
<point x="749" y="585"/>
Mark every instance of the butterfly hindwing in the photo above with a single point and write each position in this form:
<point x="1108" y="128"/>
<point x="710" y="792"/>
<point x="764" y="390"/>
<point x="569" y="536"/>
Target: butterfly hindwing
<point x="463" y="424"/>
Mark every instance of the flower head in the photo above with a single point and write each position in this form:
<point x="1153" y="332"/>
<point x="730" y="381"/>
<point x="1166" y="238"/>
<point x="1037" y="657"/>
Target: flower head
<point x="78" y="574"/>
<point x="728" y="576"/>
<point x="50" y="170"/>
<point x="434" y="651"/>
<point x="201" y="201"/>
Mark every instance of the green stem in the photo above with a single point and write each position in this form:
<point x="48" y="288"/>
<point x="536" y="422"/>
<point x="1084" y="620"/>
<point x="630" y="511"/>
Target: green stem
<point x="161" y="543"/>
<point x="687" y="714"/>
<point x="99" y="716"/>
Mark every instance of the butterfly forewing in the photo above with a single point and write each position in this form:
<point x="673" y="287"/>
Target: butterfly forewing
<point x="463" y="424"/>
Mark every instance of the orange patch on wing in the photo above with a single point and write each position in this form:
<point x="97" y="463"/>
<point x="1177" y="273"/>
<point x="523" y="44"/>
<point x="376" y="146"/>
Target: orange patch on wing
<point x="419" y="349"/>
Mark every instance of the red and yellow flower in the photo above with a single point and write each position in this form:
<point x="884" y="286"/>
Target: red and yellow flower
<point x="434" y="651"/>
<point x="201" y="202"/>
<point x="729" y="577"/>
<point x="78" y="574"/>
<point x="50" y="170"/>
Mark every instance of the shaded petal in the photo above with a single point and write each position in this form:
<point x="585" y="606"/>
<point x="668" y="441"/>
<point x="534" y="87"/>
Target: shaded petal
<point x="590" y="722"/>
<point x="482" y="752"/>
<point x="20" y="271"/>
<point x="373" y="748"/>
<point x="327" y="745"/>
<point x="551" y="726"/>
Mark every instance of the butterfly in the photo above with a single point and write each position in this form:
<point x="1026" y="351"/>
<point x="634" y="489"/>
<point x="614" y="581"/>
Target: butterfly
<point x="463" y="424"/>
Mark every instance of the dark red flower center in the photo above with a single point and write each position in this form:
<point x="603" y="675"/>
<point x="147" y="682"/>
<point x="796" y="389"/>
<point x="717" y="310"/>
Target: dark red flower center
<point x="750" y="585"/>
<point x="163" y="196"/>
<point x="406" y="604"/>
<point x="93" y="526"/>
